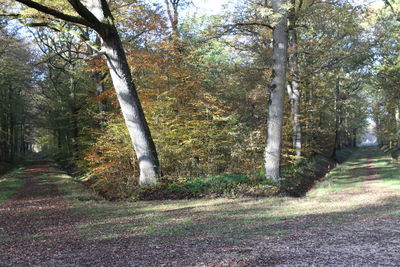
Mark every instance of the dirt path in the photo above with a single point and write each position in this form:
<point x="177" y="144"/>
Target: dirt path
<point x="37" y="223"/>
<point x="357" y="224"/>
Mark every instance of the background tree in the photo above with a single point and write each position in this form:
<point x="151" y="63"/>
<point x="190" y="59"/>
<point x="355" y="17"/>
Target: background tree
<point x="16" y="88"/>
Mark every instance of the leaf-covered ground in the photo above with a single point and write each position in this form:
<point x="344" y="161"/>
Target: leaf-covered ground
<point x="352" y="218"/>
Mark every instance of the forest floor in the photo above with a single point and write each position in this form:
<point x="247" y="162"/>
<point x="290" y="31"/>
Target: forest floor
<point x="352" y="218"/>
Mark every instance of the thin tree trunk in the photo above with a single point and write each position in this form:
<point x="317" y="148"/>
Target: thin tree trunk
<point x="100" y="88"/>
<point x="336" y="145"/>
<point x="355" y="137"/>
<point x="173" y="15"/>
<point x="98" y="77"/>
<point x="294" y="96"/>
<point x="272" y="154"/>
<point x="74" y="115"/>
<point x="11" y="126"/>
<point x="379" y="132"/>
<point x="397" y="118"/>
<point x="293" y="85"/>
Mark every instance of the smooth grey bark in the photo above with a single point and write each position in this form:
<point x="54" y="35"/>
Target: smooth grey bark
<point x="294" y="97"/>
<point x="272" y="154"/>
<point x="126" y="92"/>
<point x="96" y="14"/>
<point x="131" y="108"/>
<point x="293" y="87"/>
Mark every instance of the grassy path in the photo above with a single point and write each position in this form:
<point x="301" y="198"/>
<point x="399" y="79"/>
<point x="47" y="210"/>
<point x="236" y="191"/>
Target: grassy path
<point x="352" y="218"/>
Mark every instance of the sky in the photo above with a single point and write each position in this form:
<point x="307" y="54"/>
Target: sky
<point x="210" y="7"/>
<point x="374" y="3"/>
<point x="213" y="7"/>
<point x="200" y="7"/>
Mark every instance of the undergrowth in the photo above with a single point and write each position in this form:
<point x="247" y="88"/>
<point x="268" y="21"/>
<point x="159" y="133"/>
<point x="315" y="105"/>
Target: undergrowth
<point x="297" y="179"/>
<point x="5" y="167"/>
<point x="223" y="185"/>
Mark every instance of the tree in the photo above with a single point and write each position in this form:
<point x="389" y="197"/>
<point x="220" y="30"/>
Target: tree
<point x="96" y="14"/>
<point x="294" y="81"/>
<point x="16" y="73"/>
<point x="272" y="153"/>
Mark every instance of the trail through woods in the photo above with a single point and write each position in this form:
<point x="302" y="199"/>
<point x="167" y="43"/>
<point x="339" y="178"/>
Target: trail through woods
<point x="351" y="219"/>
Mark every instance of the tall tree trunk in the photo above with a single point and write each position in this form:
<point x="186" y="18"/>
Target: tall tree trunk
<point x="3" y="127"/>
<point x="397" y="118"/>
<point x="173" y="15"/>
<point x="131" y="108"/>
<point x="97" y="15"/>
<point x="336" y="145"/>
<point x="126" y="91"/>
<point x="74" y="115"/>
<point x="100" y="88"/>
<point x="99" y="77"/>
<point x="293" y="85"/>
<point x="272" y="154"/>
<point x="354" y="138"/>
<point x="11" y="125"/>
<point x="379" y="138"/>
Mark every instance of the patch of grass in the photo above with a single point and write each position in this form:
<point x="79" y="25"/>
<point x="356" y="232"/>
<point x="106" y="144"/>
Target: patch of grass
<point x="9" y="184"/>
<point x="299" y="177"/>
<point x="235" y="221"/>
<point x="388" y="171"/>
<point x="71" y="188"/>
<point x="346" y="176"/>
<point x="4" y="239"/>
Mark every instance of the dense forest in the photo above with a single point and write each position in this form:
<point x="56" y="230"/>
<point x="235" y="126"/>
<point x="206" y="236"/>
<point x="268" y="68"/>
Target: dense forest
<point x="149" y="100"/>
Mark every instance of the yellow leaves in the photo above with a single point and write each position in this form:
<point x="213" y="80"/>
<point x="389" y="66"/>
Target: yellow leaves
<point x="59" y="5"/>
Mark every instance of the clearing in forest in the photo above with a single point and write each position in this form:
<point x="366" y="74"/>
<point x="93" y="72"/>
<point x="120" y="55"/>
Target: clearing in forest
<point x="351" y="218"/>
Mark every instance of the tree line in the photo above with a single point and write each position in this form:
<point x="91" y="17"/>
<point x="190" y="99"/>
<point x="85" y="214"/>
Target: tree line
<point x="136" y="93"/>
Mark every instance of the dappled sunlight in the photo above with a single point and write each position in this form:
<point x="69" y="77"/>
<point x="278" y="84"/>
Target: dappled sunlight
<point x="207" y="228"/>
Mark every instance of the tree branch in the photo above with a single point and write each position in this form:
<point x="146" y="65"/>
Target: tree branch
<point x="55" y="13"/>
<point x="239" y="24"/>
<point x="84" y="12"/>
<point x="58" y="27"/>
<point x="106" y="9"/>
